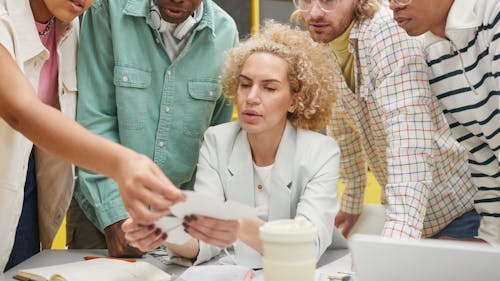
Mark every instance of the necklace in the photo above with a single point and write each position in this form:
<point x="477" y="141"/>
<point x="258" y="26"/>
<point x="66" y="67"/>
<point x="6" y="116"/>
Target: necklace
<point x="47" y="27"/>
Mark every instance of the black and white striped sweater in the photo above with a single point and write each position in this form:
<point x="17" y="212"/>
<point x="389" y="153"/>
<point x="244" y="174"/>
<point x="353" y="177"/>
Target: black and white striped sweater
<point x="464" y="74"/>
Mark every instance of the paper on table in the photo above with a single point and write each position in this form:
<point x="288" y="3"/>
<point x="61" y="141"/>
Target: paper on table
<point x="201" y="204"/>
<point x="215" y="273"/>
<point x="344" y="264"/>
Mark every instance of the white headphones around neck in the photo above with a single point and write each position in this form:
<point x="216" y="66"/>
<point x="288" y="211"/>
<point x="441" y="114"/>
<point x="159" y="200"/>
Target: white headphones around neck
<point x="158" y="23"/>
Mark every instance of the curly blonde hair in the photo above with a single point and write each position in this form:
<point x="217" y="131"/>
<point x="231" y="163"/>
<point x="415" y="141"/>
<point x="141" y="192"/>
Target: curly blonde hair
<point x="365" y="10"/>
<point x="310" y="71"/>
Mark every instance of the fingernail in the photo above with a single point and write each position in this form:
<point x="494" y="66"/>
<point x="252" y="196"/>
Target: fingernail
<point x="193" y="217"/>
<point x="150" y="227"/>
<point x="187" y="218"/>
<point x="157" y="231"/>
<point x="163" y="236"/>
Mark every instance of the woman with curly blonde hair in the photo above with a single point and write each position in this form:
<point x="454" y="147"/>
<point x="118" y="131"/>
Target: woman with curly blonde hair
<point x="309" y="74"/>
<point x="269" y="159"/>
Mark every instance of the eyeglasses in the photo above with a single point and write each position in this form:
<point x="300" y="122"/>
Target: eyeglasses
<point x="401" y="2"/>
<point x="306" y="5"/>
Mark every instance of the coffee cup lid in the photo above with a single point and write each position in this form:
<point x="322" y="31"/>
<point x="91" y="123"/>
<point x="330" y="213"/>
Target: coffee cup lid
<point x="288" y="230"/>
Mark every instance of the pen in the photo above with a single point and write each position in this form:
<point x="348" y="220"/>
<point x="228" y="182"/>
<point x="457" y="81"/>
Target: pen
<point x="105" y="257"/>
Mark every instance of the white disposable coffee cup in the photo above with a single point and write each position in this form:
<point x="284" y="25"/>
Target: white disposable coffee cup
<point x="289" y="251"/>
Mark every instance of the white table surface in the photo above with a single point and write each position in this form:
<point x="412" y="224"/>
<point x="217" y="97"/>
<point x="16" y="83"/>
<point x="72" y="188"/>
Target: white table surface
<point x="52" y="257"/>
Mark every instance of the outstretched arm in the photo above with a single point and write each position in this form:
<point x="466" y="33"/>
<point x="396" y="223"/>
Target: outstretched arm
<point x="140" y="180"/>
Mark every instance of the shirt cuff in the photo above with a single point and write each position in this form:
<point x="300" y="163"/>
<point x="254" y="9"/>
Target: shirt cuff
<point x="206" y="252"/>
<point x="111" y="213"/>
<point x="351" y="204"/>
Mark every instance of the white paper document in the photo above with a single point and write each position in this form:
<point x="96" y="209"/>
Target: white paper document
<point x="342" y="265"/>
<point x="174" y="229"/>
<point x="217" y="273"/>
<point x="206" y="205"/>
<point x="201" y="204"/>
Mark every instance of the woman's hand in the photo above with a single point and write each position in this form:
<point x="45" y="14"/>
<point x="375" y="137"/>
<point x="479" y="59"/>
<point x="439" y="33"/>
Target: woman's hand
<point x="220" y="233"/>
<point x="143" y="237"/>
<point x="142" y="185"/>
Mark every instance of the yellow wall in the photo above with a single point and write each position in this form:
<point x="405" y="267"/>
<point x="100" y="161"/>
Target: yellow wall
<point x="60" y="240"/>
<point x="372" y="191"/>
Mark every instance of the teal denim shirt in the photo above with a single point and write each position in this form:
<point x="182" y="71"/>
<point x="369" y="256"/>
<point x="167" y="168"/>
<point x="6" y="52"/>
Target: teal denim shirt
<point x="130" y="93"/>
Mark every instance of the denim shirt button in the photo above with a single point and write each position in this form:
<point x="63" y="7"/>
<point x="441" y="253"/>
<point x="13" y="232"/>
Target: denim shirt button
<point x="125" y="78"/>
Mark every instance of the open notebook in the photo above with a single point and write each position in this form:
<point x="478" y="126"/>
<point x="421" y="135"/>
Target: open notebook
<point x="95" y="270"/>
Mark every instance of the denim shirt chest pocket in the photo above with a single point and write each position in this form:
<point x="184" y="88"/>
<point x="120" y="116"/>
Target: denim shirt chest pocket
<point x="203" y="97"/>
<point x="131" y="96"/>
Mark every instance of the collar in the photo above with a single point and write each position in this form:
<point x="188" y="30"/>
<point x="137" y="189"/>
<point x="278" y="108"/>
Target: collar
<point x="24" y="24"/>
<point x="141" y="8"/>
<point x="179" y="31"/>
<point x="240" y="167"/>
<point x="241" y="156"/>
<point x="461" y="18"/>
<point x="340" y="44"/>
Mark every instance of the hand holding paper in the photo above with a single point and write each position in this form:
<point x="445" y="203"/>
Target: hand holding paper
<point x="204" y="205"/>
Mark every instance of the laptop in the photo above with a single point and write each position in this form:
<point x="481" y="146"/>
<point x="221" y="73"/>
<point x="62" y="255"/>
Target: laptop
<point x="379" y="258"/>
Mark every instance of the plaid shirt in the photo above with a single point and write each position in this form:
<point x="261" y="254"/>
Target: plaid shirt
<point x="393" y="125"/>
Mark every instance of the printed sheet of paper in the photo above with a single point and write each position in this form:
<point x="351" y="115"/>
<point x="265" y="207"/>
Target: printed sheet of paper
<point x="215" y="273"/>
<point x="201" y="204"/>
<point x="205" y="205"/>
<point x="344" y="264"/>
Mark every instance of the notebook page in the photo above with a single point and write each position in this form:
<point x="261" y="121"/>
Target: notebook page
<point x="103" y="270"/>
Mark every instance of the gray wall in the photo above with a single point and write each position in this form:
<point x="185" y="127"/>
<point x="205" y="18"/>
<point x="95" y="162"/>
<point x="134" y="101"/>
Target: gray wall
<point x="278" y="10"/>
<point x="240" y="11"/>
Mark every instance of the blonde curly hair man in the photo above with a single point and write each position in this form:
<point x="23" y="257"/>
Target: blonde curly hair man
<point x="387" y="120"/>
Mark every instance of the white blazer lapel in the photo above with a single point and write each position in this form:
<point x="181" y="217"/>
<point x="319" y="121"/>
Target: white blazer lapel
<point x="240" y="184"/>
<point x="282" y="176"/>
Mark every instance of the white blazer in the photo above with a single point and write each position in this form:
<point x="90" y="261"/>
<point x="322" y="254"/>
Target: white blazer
<point x="304" y="177"/>
<point x="18" y="34"/>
